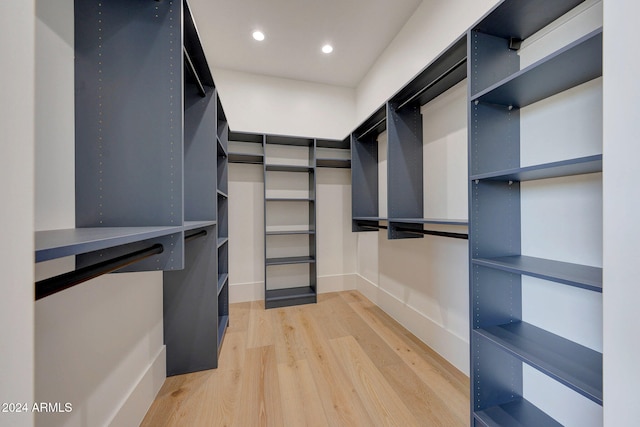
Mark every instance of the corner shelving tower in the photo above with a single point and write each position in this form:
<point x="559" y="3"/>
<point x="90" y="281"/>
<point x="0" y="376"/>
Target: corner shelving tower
<point x="501" y="341"/>
<point x="290" y="221"/>
<point x="222" y="196"/>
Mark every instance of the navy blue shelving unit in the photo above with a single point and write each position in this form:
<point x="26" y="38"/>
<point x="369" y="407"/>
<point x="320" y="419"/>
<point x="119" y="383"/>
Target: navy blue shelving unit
<point x="501" y="342"/>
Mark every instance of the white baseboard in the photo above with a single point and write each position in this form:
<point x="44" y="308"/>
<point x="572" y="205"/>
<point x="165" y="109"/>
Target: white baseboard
<point x="245" y="292"/>
<point x="450" y="346"/>
<point x="136" y="404"/>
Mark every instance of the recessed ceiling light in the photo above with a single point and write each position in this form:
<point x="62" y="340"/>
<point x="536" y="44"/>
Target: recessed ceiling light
<point x="327" y="48"/>
<point x="258" y="35"/>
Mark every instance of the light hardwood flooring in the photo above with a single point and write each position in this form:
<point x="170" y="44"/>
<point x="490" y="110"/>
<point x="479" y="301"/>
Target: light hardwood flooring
<point x="341" y="362"/>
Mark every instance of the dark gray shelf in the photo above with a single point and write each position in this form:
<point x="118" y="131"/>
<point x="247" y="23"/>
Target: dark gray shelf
<point x="571" y="364"/>
<point x="579" y="166"/>
<point x="517" y="413"/>
<point x="577" y="63"/>
<point x="222" y="279"/>
<point x="289" y="140"/>
<point x="221" y="148"/>
<point x="52" y="244"/>
<point x="289" y="168"/>
<point x="222" y="241"/>
<point x="223" y="194"/>
<point x="373" y="125"/>
<point x="581" y="276"/>
<point x="521" y="19"/>
<point x="255" y="159"/>
<point x="192" y="225"/>
<point x="343" y="144"/>
<point x="246" y="137"/>
<point x="288" y="199"/>
<point x="333" y="163"/>
<point x="287" y="233"/>
<point x="290" y="260"/>
<point x="289" y="296"/>
<point x="369" y="218"/>
<point x="443" y="221"/>
<point x="223" y="322"/>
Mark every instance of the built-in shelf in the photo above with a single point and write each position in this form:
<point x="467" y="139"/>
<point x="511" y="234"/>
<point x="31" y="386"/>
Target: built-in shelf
<point x="222" y="279"/>
<point x="369" y="218"/>
<point x="255" y="159"/>
<point x="290" y="232"/>
<point x="222" y="241"/>
<point x="192" y="225"/>
<point x="333" y="163"/>
<point x="577" y="63"/>
<point x="517" y="413"/>
<point x="52" y="244"/>
<point x="289" y="296"/>
<point x="375" y="124"/>
<point x="578" y="166"/>
<point x="289" y="199"/>
<point x="223" y="321"/>
<point x="288" y="168"/>
<point x="223" y="194"/>
<point x="290" y="260"/>
<point x="571" y="364"/>
<point x="442" y="221"/>
<point x="581" y="276"/>
<point x="221" y="148"/>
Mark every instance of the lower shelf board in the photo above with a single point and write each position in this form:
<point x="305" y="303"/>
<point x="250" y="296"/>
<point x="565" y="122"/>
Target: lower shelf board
<point x="289" y="296"/>
<point x="517" y="413"/>
<point x="290" y="260"/>
<point x="223" y="322"/>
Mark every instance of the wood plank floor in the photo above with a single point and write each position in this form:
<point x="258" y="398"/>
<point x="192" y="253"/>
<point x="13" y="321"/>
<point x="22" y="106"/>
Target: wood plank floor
<point x="341" y="362"/>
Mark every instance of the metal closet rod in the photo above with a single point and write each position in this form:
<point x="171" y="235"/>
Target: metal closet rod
<point x="374" y="227"/>
<point x="433" y="82"/>
<point x="464" y="236"/>
<point x="192" y="68"/>
<point x="55" y="284"/>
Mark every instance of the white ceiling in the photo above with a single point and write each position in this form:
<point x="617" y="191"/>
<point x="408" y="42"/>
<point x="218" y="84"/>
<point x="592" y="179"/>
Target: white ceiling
<point x="295" y="30"/>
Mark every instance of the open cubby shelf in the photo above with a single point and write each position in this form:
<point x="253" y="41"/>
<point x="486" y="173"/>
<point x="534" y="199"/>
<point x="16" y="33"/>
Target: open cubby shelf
<point x="578" y="166"/>
<point x="290" y="296"/>
<point x="515" y="413"/>
<point x="255" y="159"/>
<point x="290" y="260"/>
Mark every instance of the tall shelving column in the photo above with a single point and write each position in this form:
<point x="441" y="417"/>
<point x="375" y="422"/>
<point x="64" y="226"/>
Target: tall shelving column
<point x="222" y="196"/>
<point x="502" y="341"/>
<point x="290" y="246"/>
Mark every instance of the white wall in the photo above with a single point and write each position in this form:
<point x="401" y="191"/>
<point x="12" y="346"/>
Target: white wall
<point x="621" y="213"/>
<point x="262" y="104"/>
<point x="432" y="27"/>
<point x="98" y="346"/>
<point x="17" y="28"/>
<point x="423" y="283"/>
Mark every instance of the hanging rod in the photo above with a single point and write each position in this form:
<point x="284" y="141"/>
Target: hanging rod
<point x="192" y="68"/>
<point x="464" y="236"/>
<point x="55" y="284"/>
<point x="374" y="227"/>
<point x="433" y="82"/>
<point x="196" y="235"/>
<point x="375" y="125"/>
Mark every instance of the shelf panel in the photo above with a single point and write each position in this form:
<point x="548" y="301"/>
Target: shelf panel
<point x="286" y="199"/>
<point x="192" y="225"/>
<point x="223" y="322"/>
<point x="374" y="124"/>
<point x="577" y="63"/>
<point x="221" y="148"/>
<point x="333" y="163"/>
<point x="289" y="168"/>
<point x="289" y="140"/>
<point x="256" y="159"/>
<point x="442" y="221"/>
<point x="369" y="218"/>
<point x="289" y="296"/>
<point x="222" y="241"/>
<point x="222" y="279"/>
<point x="223" y="194"/>
<point x="343" y="144"/>
<point x="517" y="413"/>
<point x="521" y="19"/>
<point x="573" y="365"/>
<point x="52" y="244"/>
<point x="579" y="166"/>
<point x="290" y="260"/>
<point x="289" y="232"/>
<point x="246" y="137"/>
<point x="581" y="276"/>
